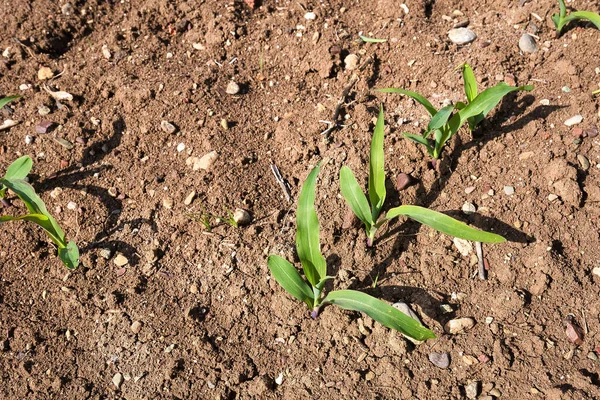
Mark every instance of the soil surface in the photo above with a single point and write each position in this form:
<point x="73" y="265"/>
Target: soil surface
<point x="194" y="313"/>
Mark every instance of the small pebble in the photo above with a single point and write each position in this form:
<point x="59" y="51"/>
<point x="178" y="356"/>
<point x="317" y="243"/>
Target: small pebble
<point x="472" y="390"/>
<point x="180" y="147"/>
<point x="242" y="217"/>
<point x="310" y="16"/>
<point x="43" y="110"/>
<point x="469" y="208"/>
<point x="29" y="139"/>
<point x="120" y="260"/>
<point x="545" y="102"/>
<point x="592" y="356"/>
<point x="509" y="190"/>
<point x="232" y="88"/>
<point x="279" y="379"/>
<point x="136" y="326"/>
<point x="495" y="392"/>
<point x="224" y="124"/>
<point x="117" y="380"/>
<point x="440" y="360"/>
<point x="526" y="155"/>
<point x="205" y="162"/>
<point x="112" y="192"/>
<point x="64" y="143"/>
<point x="463" y="23"/>
<point x="67" y="9"/>
<point x="351" y="62"/>
<point x="45" y="73"/>
<point x="403" y="181"/>
<point x="527" y="44"/>
<point x="591" y="132"/>
<point x="43" y="127"/>
<point x="552" y="197"/>
<point x="461" y="36"/>
<point x="574" y="120"/>
<point x="459" y="325"/>
<point x="469" y="189"/>
<point x="105" y="253"/>
<point x="577" y="132"/>
<point x="583" y="161"/>
<point x="167" y="127"/>
<point x="190" y="197"/>
<point x="596" y="271"/>
<point x="72" y="205"/>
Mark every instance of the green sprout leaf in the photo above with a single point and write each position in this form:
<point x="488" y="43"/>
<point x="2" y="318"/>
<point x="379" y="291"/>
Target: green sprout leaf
<point x="69" y="255"/>
<point x="354" y="195"/>
<point x="470" y="82"/>
<point x="307" y="235"/>
<point x="445" y="224"/>
<point x="376" y="168"/>
<point x="289" y="278"/>
<point x="417" y="138"/>
<point x="380" y="312"/>
<point x="371" y="40"/>
<point x="19" y="169"/>
<point x="7" y="100"/>
<point x="440" y="118"/>
<point x="422" y="100"/>
<point x="561" y="19"/>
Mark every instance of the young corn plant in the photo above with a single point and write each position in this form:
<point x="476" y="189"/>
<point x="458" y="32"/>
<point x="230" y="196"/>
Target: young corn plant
<point x="314" y="266"/>
<point x="561" y="19"/>
<point x="445" y="123"/>
<point x="4" y="101"/>
<point x="15" y="181"/>
<point x="369" y="214"/>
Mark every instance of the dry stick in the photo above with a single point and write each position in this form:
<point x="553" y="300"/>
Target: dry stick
<point x="281" y="182"/>
<point x="482" y="271"/>
<point x="334" y="124"/>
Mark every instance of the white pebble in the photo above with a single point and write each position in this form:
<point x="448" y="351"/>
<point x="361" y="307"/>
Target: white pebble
<point x="72" y="205"/>
<point x="469" y="208"/>
<point x="180" y="147"/>
<point x="509" y="190"/>
<point x="461" y="35"/>
<point x="29" y="139"/>
<point x="311" y="16"/>
<point x="279" y="379"/>
<point x="574" y="120"/>
<point x="527" y="44"/>
<point x="351" y="62"/>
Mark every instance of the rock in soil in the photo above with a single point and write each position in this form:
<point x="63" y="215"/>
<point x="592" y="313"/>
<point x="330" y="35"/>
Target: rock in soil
<point x="117" y="380"/>
<point x="440" y="360"/>
<point x="232" y="88"/>
<point x="527" y="44"/>
<point x="242" y="217"/>
<point x="403" y="181"/>
<point x="459" y="325"/>
<point x="461" y="36"/>
<point x="472" y="390"/>
<point x="574" y="120"/>
<point x="351" y="62"/>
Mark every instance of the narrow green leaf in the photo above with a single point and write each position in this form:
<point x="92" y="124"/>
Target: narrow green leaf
<point x="424" y="102"/>
<point x="371" y="40"/>
<point x="380" y="312"/>
<point x="69" y="255"/>
<point x="460" y="105"/>
<point x="289" y="278"/>
<point x="376" y="168"/>
<point x="416" y="138"/>
<point x="307" y="235"/>
<point x="440" y="118"/>
<point x="35" y="205"/>
<point x="445" y="224"/>
<point x="355" y="197"/>
<point x="583" y="15"/>
<point x="470" y="82"/>
<point x="41" y="220"/>
<point x="7" y="100"/>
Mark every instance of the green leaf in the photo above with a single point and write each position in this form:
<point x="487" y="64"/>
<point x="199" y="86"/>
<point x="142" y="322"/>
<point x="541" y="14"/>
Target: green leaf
<point x="470" y="82"/>
<point x="289" y="278"/>
<point x="582" y="15"/>
<point x="7" y="100"/>
<point x="69" y="255"/>
<point x="440" y="118"/>
<point x="371" y="40"/>
<point x="460" y="105"/>
<point x="307" y="235"/>
<point x="42" y="220"/>
<point x="417" y="138"/>
<point x="376" y="168"/>
<point x="424" y="102"/>
<point x="355" y="197"/>
<point x="35" y="205"/>
<point x="380" y="312"/>
<point x="445" y="224"/>
<point x="19" y="169"/>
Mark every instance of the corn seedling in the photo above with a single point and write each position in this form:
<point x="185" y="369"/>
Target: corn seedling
<point x="310" y="291"/>
<point x="15" y="181"/>
<point x="369" y="214"/>
<point x="445" y="123"/>
<point x="561" y="19"/>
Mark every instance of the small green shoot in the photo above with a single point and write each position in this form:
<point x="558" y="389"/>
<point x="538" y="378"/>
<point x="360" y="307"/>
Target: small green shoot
<point x="371" y="40"/>
<point x="445" y="123"/>
<point x="561" y="19"/>
<point x="310" y="291"/>
<point x="229" y="218"/>
<point x="14" y="180"/>
<point x="369" y="214"/>
<point x="595" y="92"/>
<point x="7" y="100"/>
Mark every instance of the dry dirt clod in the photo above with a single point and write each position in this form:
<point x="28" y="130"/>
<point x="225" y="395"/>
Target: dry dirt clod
<point x="167" y="127"/>
<point x="136" y="327"/>
<point x="440" y="360"/>
<point x="459" y="325"/>
<point x="463" y="246"/>
<point x="351" y="62"/>
<point x="120" y="260"/>
<point x="45" y="73"/>
<point x="205" y="162"/>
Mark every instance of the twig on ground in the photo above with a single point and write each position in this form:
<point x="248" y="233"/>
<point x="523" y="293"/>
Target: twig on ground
<point x="482" y="271"/>
<point x="281" y="182"/>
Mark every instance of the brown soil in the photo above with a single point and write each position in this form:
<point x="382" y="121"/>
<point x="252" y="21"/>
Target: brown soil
<point x="213" y="323"/>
